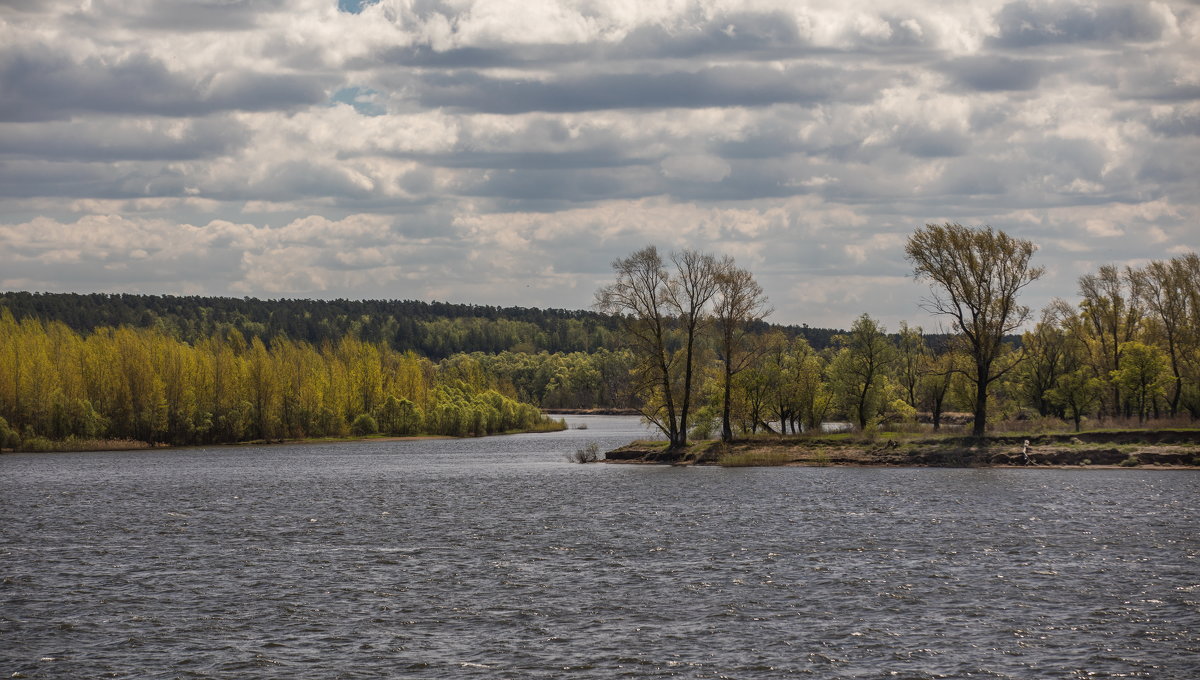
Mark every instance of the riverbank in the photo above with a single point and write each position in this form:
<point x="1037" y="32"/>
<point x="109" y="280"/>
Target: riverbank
<point x="1116" y="448"/>
<point x="91" y="445"/>
<point x="591" y="412"/>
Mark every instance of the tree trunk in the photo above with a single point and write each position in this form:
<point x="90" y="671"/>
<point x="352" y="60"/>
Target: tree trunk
<point x="977" y="429"/>
<point x="726" y="426"/>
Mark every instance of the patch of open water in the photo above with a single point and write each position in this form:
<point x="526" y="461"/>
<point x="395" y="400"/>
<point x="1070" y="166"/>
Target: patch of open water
<point x="497" y="558"/>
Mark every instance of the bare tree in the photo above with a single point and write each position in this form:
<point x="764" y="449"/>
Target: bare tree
<point x="640" y="297"/>
<point x="979" y="273"/>
<point x="695" y="286"/>
<point x="740" y="302"/>
<point x="663" y="314"/>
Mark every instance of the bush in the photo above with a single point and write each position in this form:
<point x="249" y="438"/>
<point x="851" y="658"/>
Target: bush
<point x="363" y="425"/>
<point x="37" y="445"/>
<point x="588" y="454"/>
<point x="1131" y="461"/>
<point x="9" y="439"/>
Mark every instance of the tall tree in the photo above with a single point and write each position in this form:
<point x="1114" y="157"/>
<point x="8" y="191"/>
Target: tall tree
<point x="859" y="369"/>
<point x="977" y="274"/>
<point x="740" y="303"/>
<point x="911" y="349"/>
<point x="1045" y="348"/>
<point x="662" y="315"/>
<point x="1166" y="289"/>
<point x="640" y="297"/>
<point x="1110" y="315"/>
<point x="695" y="286"/>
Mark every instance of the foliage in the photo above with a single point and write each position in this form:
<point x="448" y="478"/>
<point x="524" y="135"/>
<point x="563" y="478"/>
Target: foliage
<point x="977" y="274"/>
<point x="146" y="385"/>
<point x="364" y="425"/>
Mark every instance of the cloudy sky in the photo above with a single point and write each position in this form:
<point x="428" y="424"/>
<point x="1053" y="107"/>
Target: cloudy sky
<point x="505" y="151"/>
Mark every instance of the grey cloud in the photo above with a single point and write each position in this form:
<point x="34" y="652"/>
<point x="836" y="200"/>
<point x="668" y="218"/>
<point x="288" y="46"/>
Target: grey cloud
<point x="183" y="16"/>
<point x="532" y="160"/>
<point x="768" y="34"/>
<point x="1178" y="123"/>
<point x="994" y="73"/>
<point x="749" y="35"/>
<point x="748" y="86"/>
<point x="573" y="186"/>
<point x="925" y="142"/>
<point x="138" y="140"/>
<point x="746" y="35"/>
<point x="1023" y="24"/>
<point x="38" y="84"/>
<point x="298" y="179"/>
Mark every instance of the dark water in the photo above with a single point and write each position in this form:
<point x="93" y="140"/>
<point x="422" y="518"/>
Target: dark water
<point x="495" y="558"/>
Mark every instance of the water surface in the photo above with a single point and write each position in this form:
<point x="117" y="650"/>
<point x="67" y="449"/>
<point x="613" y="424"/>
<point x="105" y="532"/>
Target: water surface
<point x="496" y="558"/>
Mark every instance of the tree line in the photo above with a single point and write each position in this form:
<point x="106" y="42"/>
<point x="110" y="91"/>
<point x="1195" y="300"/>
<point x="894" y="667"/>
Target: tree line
<point x="144" y="384"/>
<point x="681" y="337"/>
<point x="433" y="329"/>
<point x="703" y="363"/>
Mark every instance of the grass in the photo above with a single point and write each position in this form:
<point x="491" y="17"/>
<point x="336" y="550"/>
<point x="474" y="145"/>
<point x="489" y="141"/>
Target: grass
<point x="754" y="459"/>
<point x="43" y="445"/>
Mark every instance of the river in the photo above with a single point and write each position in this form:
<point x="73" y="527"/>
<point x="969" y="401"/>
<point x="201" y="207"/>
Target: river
<point x="497" y="558"/>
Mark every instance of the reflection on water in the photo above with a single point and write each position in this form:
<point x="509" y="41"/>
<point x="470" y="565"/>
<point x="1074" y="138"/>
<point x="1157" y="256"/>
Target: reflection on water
<point x="497" y="558"/>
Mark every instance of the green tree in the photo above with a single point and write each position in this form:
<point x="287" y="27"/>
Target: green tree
<point x="1078" y="393"/>
<point x="858" y="371"/>
<point x="1143" y="375"/>
<point x="977" y="274"/>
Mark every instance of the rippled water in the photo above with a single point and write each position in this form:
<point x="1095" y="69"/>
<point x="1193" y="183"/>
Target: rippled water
<point x="496" y="558"/>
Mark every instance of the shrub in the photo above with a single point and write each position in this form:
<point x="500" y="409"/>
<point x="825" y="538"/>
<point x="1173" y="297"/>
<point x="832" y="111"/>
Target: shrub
<point x="363" y="425"/>
<point x="37" y="445"/>
<point x="1131" y="461"/>
<point x="588" y="454"/>
<point x="1086" y="461"/>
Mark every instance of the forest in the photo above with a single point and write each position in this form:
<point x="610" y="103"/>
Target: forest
<point x="432" y="329"/>
<point x="192" y="370"/>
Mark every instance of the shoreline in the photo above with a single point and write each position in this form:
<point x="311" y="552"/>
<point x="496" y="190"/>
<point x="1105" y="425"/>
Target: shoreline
<point x="106" y="446"/>
<point x="1147" y="449"/>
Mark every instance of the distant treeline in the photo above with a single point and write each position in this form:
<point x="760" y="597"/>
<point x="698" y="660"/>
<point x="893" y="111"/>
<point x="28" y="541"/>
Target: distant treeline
<point x="434" y="329"/>
<point x="143" y="384"/>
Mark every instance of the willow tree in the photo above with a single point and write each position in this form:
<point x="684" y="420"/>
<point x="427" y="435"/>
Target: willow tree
<point x="976" y="275"/>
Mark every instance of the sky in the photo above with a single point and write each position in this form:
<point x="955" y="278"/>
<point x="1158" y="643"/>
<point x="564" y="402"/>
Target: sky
<point x="506" y="152"/>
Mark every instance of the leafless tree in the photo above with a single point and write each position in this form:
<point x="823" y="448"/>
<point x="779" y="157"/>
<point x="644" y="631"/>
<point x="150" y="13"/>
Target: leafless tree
<point x="740" y="302"/>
